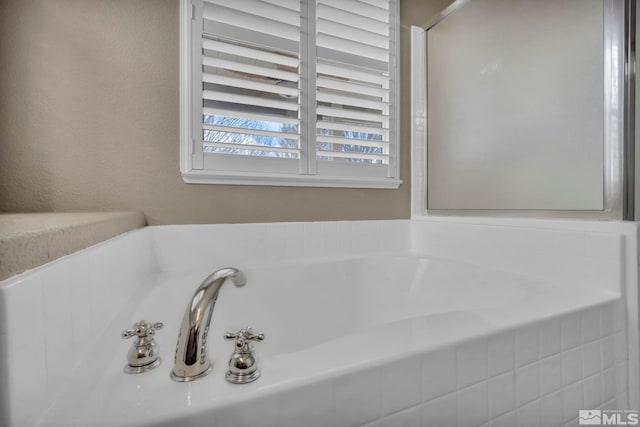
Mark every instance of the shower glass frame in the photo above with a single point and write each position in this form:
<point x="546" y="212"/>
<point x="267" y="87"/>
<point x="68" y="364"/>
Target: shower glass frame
<point x="619" y="110"/>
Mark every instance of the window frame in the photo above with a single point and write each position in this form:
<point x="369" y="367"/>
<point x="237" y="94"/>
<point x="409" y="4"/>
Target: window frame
<point x="193" y="166"/>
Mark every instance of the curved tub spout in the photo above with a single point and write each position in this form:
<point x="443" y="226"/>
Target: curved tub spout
<point x="191" y="361"/>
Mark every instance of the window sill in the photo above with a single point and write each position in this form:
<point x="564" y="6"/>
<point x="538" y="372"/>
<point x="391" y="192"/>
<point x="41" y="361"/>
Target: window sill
<point x="247" y="178"/>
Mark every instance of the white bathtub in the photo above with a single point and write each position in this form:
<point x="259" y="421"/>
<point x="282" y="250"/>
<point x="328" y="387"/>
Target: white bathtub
<point x="403" y="336"/>
<point x="308" y="303"/>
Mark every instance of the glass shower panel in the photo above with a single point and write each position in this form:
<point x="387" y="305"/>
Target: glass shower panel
<point x="515" y="106"/>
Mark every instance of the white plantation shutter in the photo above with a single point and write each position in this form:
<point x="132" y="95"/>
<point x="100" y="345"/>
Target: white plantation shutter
<point x="292" y="92"/>
<point x="250" y="91"/>
<point x="354" y="69"/>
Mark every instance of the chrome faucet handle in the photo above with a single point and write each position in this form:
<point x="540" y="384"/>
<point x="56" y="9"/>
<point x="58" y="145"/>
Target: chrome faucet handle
<point x="243" y="367"/>
<point x="244" y="335"/>
<point x="143" y="355"/>
<point x="142" y="329"/>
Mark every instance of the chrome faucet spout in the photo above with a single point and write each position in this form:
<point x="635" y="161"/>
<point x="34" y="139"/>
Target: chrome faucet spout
<point x="191" y="361"/>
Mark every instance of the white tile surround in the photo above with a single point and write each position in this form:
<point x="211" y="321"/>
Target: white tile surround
<point x="53" y="314"/>
<point x="456" y="386"/>
<point x="538" y="374"/>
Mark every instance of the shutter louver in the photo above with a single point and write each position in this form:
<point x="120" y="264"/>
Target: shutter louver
<point x="353" y="82"/>
<point x="250" y="78"/>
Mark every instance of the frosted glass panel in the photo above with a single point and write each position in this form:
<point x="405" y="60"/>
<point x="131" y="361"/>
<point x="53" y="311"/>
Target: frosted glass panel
<point x="516" y="106"/>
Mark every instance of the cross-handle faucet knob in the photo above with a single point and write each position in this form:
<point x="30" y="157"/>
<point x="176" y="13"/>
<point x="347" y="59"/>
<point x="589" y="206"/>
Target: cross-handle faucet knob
<point x="244" y="335"/>
<point x="142" y="329"/>
<point x="243" y="366"/>
<point x="143" y="355"/>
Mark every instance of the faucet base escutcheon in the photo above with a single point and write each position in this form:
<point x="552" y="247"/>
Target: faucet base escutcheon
<point x="187" y="378"/>
<point x="128" y="369"/>
<point x="236" y="378"/>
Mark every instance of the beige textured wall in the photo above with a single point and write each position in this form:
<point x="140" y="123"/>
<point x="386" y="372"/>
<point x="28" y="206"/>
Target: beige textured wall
<point x="89" y="121"/>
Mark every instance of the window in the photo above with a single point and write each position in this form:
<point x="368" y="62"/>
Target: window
<point x="289" y="92"/>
